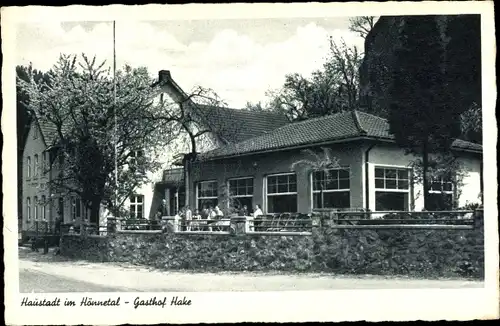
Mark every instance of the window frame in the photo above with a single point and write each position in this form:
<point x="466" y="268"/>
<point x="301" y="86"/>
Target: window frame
<point x="35" y="208"/>
<point x="73" y="208"/>
<point x="407" y="191"/>
<point x="136" y="203"/>
<point x="441" y="192"/>
<point x="43" y="211"/>
<point x="267" y="194"/>
<point x="313" y="192"/>
<point x="28" y="166"/>
<point x="35" y="165"/>
<point x="44" y="163"/>
<point x="198" y="184"/>
<point x="442" y="183"/>
<point x="28" y="208"/>
<point x="242" y="196"/>
<point x="241" y="178"/>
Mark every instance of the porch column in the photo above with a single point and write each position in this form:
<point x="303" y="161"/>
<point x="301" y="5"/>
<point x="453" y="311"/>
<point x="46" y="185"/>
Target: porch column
<point x="258" y="192"/>
<point x="357" y="180"/>
<point x="303" y="192"/>
<point x="176" y="201"/>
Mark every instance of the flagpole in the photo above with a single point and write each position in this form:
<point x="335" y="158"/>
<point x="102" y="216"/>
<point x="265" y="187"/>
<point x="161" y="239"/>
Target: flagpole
<point x="114" y="113"/>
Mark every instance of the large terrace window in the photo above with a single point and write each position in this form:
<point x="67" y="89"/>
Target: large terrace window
<point x="241" y="191"/>
<point x="331" y="189"/>
<point x="392" y="189"/>
<point x="207" y="195"/>
<point x="282" y="193"/>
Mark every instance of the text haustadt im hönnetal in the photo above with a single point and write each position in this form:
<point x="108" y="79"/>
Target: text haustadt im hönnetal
<point x="89" y="302"/>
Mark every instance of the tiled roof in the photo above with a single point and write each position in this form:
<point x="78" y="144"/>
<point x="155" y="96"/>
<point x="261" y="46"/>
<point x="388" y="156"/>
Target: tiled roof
<point x="340" y="126"/>
<point x="234" y="125"/>
<point x="49" y="132"/>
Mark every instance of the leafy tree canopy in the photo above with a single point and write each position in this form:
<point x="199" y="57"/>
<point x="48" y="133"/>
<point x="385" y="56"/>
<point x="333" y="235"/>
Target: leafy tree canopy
<point x="76" y="100"/>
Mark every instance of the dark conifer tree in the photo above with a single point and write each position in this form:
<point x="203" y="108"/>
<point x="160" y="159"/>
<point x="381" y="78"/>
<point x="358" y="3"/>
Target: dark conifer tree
<point x="421" y="115"/>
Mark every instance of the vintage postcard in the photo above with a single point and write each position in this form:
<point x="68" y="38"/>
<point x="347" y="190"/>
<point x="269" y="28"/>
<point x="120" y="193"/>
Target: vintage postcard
<point x="249" y="163"/>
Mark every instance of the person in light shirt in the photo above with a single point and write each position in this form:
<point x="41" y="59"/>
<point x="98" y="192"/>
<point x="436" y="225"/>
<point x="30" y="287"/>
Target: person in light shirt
<point x="188" y="215"/>
<point x="256" y="213"/>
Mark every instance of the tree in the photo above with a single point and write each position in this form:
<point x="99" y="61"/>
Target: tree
<point x="420" y="115"/>
<point x="198" y="121"/>
<point x="332" y="89"/>
<point x="321" y="162"/>
<point x="93" y="134"/>
<point x="257" y="107"/>
<point x="441" y="166"/>
<point x="362" y="25"/>
<point x="471" y="122"/>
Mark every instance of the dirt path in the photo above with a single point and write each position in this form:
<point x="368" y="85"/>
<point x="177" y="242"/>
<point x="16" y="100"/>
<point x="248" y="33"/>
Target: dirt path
<point x="136" y="278"/>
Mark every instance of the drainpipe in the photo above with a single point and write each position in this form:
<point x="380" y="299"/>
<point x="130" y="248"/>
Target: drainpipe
<point x="367" y="177"/>
<point x="481" y="181"/>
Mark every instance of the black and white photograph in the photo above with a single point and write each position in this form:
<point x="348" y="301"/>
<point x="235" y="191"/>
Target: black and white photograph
<point x="182" y="157"/>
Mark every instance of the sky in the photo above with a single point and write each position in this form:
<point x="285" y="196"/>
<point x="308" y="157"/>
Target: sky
<point x="239" y="59"/>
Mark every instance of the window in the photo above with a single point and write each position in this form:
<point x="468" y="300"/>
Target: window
<point x="78" y="208"/>
<point x="207" y="194"/>
<point x="28" y="208"/>
<point x="241" y="191"/>
<point x="440" y="194"/>
<point x="76" y="205"/>
<point x="392" y="189"/>
<point x="61" y="208"/>
<point x="135" y="160"/>
<point x="43" y="208"/>
<point x="331" y="189"/>
<point x="45" y="163"/>
<point x="35" y="207"/>
<point x="28" y="166"/>
<point x="282" y="193"/>
<point x="35" y="132"/>
<point x="137" y="206"/>
<point x="35" y="169"/>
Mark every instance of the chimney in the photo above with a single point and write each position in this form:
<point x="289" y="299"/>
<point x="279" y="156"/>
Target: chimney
<point x="164" y="76"/>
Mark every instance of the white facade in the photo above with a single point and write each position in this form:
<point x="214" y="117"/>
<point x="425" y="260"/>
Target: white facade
<point x="393" y="157"/>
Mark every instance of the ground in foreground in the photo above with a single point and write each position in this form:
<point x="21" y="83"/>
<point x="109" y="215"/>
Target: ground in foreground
<point x="49" y="273"/>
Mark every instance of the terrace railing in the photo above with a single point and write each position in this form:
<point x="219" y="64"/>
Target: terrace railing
<point x="398" y="219"/>
<point x="299" y="224"/>
<point x="284" y="222"/>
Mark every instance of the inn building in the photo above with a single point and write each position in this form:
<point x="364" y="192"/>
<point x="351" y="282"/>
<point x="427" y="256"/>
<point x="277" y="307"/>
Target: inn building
<point x="373" y="173"/>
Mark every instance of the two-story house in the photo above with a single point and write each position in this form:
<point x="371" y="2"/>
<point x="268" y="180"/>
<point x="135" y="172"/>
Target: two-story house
<point x="41" y="201"/>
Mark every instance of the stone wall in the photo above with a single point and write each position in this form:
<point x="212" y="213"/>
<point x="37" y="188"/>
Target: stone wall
<point x="412" y="252"/>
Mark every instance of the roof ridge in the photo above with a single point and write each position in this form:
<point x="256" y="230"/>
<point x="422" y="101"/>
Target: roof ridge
<point x="208" y="106"/>
<point x="324" y="117"/>
<point x="357" y="122"/>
